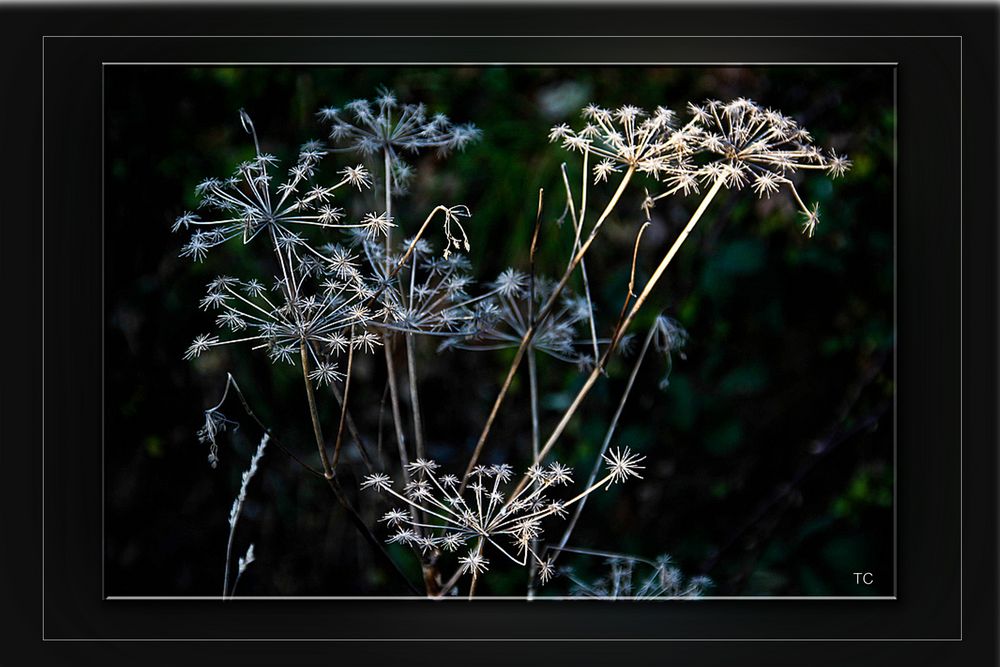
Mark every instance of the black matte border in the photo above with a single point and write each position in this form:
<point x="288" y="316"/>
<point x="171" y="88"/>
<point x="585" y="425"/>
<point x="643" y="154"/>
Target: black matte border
<point x="946" y="86"/>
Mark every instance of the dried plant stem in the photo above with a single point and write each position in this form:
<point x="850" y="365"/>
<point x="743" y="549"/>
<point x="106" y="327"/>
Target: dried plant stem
<point x="387" y="337"/>
<point x="546" y="309"/>
<point x="229" y="554"/>
<point x="236" y="583"/>
<point x="356" y="519"/>
<point x="607" y="440"/>
<point x="535" y="438"/>
<point x="631" y="277"/>
<point x="334" y="485"/>
<point x="352" y="428"/>
<point x="475" y="575"/>
<point x="584" y="188"/>
<point x="367" y="533"/>
<point x="665" y="262"/>
<point x="390" y="274"/>
<point x="343" y="407"/>
<point x="451" y="583"/>
<point x="238" y="508"/>
<point x="411" y="367"/>
<point x="378" y="426"/>
<point x="397" y="417"/>
<point x="314" y="412"/>
<point x="231" y="382"/>
<point x="531" y="257"/>
<point x="578" y="228"/>
<point x="429" y="569"/>
<point x="533" y="386"/>
<point x="411" y="371"/>
<point x="388" y="201"/>
<point x="623" y="326"/>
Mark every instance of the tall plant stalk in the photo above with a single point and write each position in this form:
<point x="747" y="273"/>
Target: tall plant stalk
<point x="543" y="313"/>
<point x="623" y="326"/>
<point x="314" y="413"/>
<point x="725" y="145"/>
<point x="609" y="434"/>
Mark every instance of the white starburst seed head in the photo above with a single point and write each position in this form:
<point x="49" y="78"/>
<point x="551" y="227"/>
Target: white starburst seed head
<point x="474" y="563"/>
<point x="377" y="481"/>
<point x="622" y="464"/>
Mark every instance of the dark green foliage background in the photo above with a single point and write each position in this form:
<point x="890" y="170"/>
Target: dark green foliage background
<point x="770" y="453"/>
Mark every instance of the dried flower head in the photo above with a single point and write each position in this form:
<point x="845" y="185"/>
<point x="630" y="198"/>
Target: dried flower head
<point x="248" y="203"/>
<point x="633" y="138"/>
<point x="503" y="314"/>
<point x="748" y="144"/>
<point x="633" y="578"/>
<point x="487" y="512"/>
<point x="384" y="126"/>
<point x="337" y="317"/>
<point x="669" y="337"/>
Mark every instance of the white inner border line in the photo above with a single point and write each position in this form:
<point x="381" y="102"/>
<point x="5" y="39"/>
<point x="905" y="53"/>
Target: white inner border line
<point x="895" y="568"/>
<point x="895" y="206"/>
<point x="894" y="596"/>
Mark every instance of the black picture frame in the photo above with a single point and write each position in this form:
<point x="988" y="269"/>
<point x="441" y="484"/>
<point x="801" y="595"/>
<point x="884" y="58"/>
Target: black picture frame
<point x="945" y="611"/>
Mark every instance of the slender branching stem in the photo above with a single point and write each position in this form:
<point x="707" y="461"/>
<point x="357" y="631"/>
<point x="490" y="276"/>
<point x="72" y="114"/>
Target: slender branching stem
<point x="366" y="532"/>
<point x="237" y="509"/>
<point x="397" y="417"/>
<point x="352" y="427"/>
<point x="535" y="438"/>
<point x="533" y="386"/>
<point x="388" y="337"/>
<point x="578" y="227"/>
<point x="229" y="554"/>
<point x="411" y="367"/>
<point x="430" y="572"/>
<point x="665" y="262"/>
<point x="388" y="200"/>
<point x="607" y="440"/>
<point x="314" y="412"/>
<point x="231" y="382"/>
<point x="531" y="257"/>
<point x="236" y="583"/>
<point x="475" y="574"/>
<point x="546" y="309"/>
<point x="451" y="583"/>
<point x="343" y="407"/>
<point x="334" y="485"/>
<point x="596" y="372"/>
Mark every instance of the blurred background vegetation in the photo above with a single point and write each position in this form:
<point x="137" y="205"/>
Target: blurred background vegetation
<point x="770" y="453"/>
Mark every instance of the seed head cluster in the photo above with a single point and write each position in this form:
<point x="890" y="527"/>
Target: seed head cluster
<point x="340" y="284"/>
<point x="437" y="516"/>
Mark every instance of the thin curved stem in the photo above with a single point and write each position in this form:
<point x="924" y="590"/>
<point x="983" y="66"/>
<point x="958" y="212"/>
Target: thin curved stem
<point x="343" y="407"/>
<point x="314" y="412"/>
<point x="532" y="329"/>
<point x="352" y="428"/>
<point x="607" y="440"/>
<point x="411" y="367"/>
<point x="623" y="326"/>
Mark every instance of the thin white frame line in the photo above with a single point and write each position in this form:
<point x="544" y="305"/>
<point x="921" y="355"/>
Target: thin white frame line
<point x="42" y="397"/>
<point x="895" y="150"/>
<point x="895" y="332"/>
<point x="474" y="63"/>
<point x="895" y="591"/>
<point x="430" y="36"/>
<point x="515" y="600"/>
<point x="505" y="639"/>
<point x="104" y="324"/>
<point x="961" y="338"/>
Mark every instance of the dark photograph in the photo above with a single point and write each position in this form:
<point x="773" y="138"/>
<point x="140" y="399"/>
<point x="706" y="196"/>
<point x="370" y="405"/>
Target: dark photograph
<point x="470" y="332"/>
